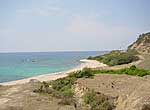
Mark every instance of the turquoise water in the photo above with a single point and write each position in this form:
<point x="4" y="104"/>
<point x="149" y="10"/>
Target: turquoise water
<point x="15" y="66"/>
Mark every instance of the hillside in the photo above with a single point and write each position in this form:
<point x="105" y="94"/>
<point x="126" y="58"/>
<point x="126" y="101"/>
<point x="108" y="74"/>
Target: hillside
<point x="131" y="92"/>
<point x="142" y="44"/>
<point x="116" y="57"/>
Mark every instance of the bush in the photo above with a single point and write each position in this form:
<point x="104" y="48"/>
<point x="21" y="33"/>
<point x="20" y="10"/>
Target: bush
<point x="116" y="57"/>
<point x="61" y="84"/>
<point x="68" y="92"/>
<point x="86" y="73"/>
<point x="133" y="67"/>
<point x="98" y="101"/>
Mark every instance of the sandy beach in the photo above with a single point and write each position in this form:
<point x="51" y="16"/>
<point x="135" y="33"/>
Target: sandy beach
<point x="54" y="76"/>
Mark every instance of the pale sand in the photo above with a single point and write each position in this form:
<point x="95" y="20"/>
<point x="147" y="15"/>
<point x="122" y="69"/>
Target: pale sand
<point x="54" y="76"/>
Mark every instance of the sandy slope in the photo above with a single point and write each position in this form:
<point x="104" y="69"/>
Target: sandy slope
<point x="131" y="92"/>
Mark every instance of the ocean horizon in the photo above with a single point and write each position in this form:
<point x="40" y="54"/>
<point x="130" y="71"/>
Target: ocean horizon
<point x="20" y="65"/>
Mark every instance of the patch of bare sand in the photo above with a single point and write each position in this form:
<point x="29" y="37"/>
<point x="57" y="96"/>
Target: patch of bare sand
<point x="22" y="97"/>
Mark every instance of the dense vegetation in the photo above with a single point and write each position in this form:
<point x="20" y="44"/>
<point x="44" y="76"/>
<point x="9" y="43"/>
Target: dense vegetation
<point x="116" y="57"/>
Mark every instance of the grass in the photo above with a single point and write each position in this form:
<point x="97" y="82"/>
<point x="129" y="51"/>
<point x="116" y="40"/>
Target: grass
<point x="133" y="70"/>
<point x="116" y="57"/>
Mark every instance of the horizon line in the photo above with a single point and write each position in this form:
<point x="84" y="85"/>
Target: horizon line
<point x="59" y="51"/>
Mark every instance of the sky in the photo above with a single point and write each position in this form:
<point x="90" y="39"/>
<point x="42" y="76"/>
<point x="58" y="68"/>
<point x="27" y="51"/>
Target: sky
<point x="71" y="25"/>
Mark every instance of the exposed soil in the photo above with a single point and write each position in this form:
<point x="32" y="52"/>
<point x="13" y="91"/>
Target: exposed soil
<point x="131" y="92"/>
<point x="22" y="97"/>
<point x="146" y="62"/>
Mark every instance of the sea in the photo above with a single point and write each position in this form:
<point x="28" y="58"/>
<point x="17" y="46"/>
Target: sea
<point x="20" y="65"/>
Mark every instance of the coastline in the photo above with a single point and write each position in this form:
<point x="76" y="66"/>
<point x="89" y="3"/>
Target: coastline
<point x="57" y="75"/>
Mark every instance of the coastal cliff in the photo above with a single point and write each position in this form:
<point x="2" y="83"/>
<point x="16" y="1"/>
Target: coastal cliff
<point x="142" y="44"/>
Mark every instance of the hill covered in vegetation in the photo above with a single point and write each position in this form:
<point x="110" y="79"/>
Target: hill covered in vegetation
<point x="116" y="57"/>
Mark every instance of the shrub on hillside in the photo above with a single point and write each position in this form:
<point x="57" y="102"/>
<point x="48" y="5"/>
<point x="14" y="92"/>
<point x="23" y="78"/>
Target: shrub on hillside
<point x="116" y="57"/>
<point x="98" y="101"/>
<point x="86" y="73"/>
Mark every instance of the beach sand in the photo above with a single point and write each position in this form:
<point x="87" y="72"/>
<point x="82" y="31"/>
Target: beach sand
<point x="54" y="76"/>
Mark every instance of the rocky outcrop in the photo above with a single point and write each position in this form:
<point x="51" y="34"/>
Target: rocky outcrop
<point x="142" y="44"/>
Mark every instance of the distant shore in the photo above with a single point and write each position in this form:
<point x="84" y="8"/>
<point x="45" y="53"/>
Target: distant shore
<point x="57" y="75"/>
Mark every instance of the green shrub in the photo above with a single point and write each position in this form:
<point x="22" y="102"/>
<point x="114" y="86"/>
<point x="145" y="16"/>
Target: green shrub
<point x="62" y="83"/>
<point x="89" y="97"/>
<point x="116" y="57"/>
<point x="68" y="92"/>
<point x="86" y="73"/>
<point x="98" y="101"/>
<point x="133" y="67"/>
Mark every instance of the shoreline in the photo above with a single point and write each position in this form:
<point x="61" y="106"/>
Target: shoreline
<point x="57" y="75"/>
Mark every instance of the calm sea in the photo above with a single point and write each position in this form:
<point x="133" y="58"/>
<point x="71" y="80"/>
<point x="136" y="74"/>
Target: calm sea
<point x="15" y="66"/>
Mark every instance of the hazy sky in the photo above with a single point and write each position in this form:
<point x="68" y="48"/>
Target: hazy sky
<point x="71" y="25"/>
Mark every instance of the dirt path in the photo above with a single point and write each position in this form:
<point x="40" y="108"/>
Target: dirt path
<point x="146" y="62"/>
